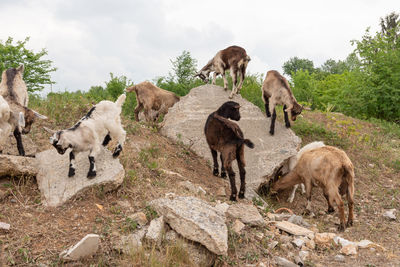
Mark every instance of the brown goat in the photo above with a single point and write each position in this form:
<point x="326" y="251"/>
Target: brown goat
<point x="234" y="59"/>
<point x="276" y="91"/>
<point x="226" y="137"/>
<point x="151" y="97"/>
<point x="329" y="168"/>
<point x="14" y="91"/>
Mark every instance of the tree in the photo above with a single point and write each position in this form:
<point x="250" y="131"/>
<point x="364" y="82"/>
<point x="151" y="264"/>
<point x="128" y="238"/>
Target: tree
<point x="295" y="64"/>
<point x="37" y="70"/>
<point x="389" y="23"/>
<point x="184" y="67"/>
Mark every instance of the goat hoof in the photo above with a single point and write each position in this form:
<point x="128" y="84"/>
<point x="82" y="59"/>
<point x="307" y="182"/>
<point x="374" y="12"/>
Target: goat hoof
<point x="91" y="174"/>
<point x="271" y="132"/>
<point x="223" y="174"/>
<point x="331" y="210"/>
<point x="232" y="198"/>
<point x="287" y="125"/>
<point x="241" y="195"/>
<point x="341" y="227"/>
<point x="349" y="223"/>
<point x="71" y="172"/>
<point x="215" y="172"/>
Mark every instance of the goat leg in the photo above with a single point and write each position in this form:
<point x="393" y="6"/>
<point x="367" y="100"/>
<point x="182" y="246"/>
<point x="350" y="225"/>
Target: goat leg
<point x="92" y="168"/>
<point x="107" y="139"/>
<point x="215" y="161"/>
<point x="287" y="122"/>
<point x="18" y="138"/>
<point x="272" y="127"/>
<point x="232" y="181"/>
<point x="223" y="172"/>
<point x="71" y="171"/>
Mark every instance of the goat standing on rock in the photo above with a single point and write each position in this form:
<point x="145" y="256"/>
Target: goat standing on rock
<point x="276" y="91"/>
<point x="331" y="169"/>
<point x="226" y="137"/>
<point x="96" y="128"/>
<point x="234" y="59"/>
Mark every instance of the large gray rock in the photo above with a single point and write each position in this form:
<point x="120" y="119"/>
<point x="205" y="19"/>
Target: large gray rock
<point x="195" y="220"/>
<point x="186" y="119"/>
<point x="55" y="185"/>
<point x="17" y="166"/>
<point x="10" y="147"/>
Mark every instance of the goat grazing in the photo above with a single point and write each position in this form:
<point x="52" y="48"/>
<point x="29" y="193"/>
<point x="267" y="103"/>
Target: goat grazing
<point x="14" y="91"/>
<point x="293" y="162"/>
<point x="226" y="137"/>
<point x="329" y="168"/>
<point x="276" y="91"/>
<point x="151" y="97"/>
<point x="96" y="128"/>
<point x="234" y="59"/>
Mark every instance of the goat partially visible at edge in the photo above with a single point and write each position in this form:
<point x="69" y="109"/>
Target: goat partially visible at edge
<point x="98" y="127"/>
<point x="332" y="170"/>
<point x="150" y="97"/>
<point x="234" y="59"/>
<point x="276" y="91"/>
<point x="13" y="90"/>
<point x="227" y="138"/>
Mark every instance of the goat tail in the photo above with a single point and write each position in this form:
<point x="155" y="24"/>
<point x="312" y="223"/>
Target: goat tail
<point x="120" y="101"/>
<point x="348" y="173"/>
<point x="248" y="143"/>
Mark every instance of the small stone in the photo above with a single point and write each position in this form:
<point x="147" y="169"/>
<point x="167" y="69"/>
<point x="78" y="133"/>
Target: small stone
<point x="298" y="242"/>
<point x="284" y="262"/>
<point x="282" y="216"/>
<point x="170" y="195"/>
<point x="221" y="192"/>
<point x="284" y="239"/>
<point x="298" y="220"/>
<point x="364" y="243"/>
<point x="223" y="207"/>
<point x="247" y="213"/>
<point x="273" y="244"/>
<point x="343" y="242"/>
<point x="339" y="258"/>
<point x="131" y="242"/>
<point x="298" y="261"/>
<point x="259" y="236"/>
<point x="323" y="238"/>
<point x="154" y="232"/>
<point x="237" y="226"/>
<point x="124" y="203"/>
<point x="13" y="200"/>
<point x="350" y="249"/>
<point x="139" y="217"/>
<point x="310" y="244"/>
<point x="201" y="191"/>
<point x="271" y="216"/>
<point x="4" y="226"/>
<point x="303" y="254"/>
<point x="390" y="214"/>
<point x="84" y="248"/>
<point x="291" y="228"/>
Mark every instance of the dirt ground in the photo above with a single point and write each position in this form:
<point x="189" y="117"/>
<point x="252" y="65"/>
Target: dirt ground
<point x="38" y="234"/>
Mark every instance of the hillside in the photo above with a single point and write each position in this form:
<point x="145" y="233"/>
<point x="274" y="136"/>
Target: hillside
<point x="39" y="234"/>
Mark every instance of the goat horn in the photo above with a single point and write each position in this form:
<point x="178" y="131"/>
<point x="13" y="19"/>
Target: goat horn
<point x="49" y="130"/>
<point x="306" y="108"/>
<point x="40" y="116"/>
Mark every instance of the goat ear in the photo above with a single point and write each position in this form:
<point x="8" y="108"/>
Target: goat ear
<point x="21" y="120"/>
<point x="40" y="116"/>
<point x="49" y="130"/>
<point x="288" y="109"/>
<point x="21" y="68"/>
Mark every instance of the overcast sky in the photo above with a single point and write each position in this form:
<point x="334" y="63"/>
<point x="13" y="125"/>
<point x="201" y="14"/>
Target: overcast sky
<point x="87" y="40"/>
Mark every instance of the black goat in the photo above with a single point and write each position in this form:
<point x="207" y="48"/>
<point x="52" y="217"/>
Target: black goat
<point x="226" y="137"/>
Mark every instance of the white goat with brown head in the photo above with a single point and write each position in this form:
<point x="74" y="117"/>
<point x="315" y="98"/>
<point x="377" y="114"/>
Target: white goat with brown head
<point x="234" y="59"/>
<point x="329" y="168"/>
<point x="14" y="91"/>
<point x="276" y="91"/>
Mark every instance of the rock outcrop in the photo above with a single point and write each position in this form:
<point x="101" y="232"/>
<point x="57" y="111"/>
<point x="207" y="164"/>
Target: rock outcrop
<point x="185" y="123"/>
<point x="195" y="220"/>
<point x="17" y="166"/>
<point x="55" y="185"/>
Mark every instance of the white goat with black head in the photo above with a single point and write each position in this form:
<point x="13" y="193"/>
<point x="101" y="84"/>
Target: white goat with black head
<point x="14" y="92"/>
<point x="96" y="128"/>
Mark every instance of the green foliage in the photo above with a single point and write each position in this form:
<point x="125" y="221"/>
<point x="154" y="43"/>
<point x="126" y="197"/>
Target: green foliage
<point x="37" y="70"/>
<point x="184" y="67"/>
<point x="295" y="64"/>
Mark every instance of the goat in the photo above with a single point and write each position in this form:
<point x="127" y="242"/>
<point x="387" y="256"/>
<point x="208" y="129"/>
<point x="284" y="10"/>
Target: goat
<point x="14" y="91"/>
<point x="226" y="137"/>
<point x="151" y="97"/>
<point x="98" y="126"/>
<point x="234" y="59"/>
<point x="329" y="168"/>
<point x="276" y="91"/>
<point x="293" y="162"/>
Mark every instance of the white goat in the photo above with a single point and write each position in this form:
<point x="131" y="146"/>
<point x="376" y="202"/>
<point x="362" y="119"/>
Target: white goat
<point x="96" y="128"/>
<point x="293" y="162"/>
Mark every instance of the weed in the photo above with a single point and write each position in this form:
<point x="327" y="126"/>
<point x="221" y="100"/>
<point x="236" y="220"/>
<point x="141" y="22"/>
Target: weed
<point x="257" y="201"/>
<point x="150" y="213"/>
<point x="129" y="225"/>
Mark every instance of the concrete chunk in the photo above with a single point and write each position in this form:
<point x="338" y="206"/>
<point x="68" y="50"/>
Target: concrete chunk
<point x="292" y="228"/>
<point x="84" y="248"/>
<point x="155" y="230"/>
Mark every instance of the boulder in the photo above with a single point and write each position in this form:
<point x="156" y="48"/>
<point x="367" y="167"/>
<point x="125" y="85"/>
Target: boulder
<point x="84" y="248"/>
<point x="186" y="119"/>
<point x="17" y="166"/>
<point x="10" y="146"/>
<point x="195" y="220"/>
<point x="155" y="230"/>
<point x="55" y="185"/>
<point x="247" y="213"/>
